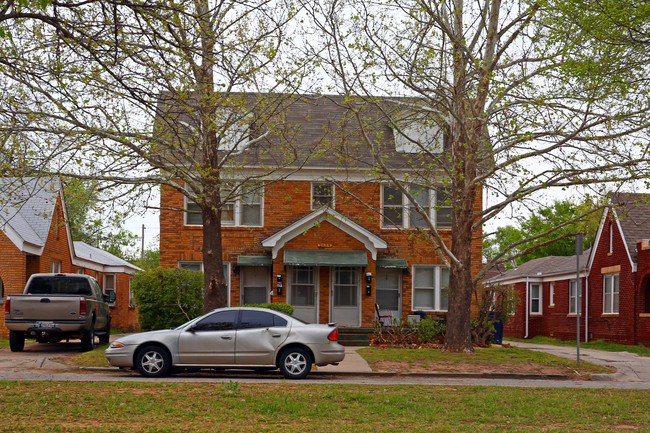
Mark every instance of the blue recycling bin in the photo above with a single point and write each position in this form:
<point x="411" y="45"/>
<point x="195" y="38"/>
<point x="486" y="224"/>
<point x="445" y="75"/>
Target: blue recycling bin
<point x="497" y="337"/>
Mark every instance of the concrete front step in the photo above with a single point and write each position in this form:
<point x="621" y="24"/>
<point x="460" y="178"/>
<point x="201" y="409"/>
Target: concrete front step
<point x="355" y="336"/>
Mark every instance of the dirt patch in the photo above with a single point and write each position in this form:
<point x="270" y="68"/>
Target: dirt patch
<point x="474" y="368"/>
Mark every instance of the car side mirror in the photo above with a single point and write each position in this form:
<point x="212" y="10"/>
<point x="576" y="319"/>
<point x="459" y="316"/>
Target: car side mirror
<point x="110" y="297"/>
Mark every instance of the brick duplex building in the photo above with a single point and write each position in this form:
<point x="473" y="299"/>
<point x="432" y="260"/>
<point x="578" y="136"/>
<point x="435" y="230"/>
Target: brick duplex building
<point x="615" y="280"/>
<point x="326" y="235"/>
<point x="35" y="237"/>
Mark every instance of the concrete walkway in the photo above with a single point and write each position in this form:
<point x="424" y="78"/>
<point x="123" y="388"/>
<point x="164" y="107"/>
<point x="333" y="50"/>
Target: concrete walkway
<point x="630" y="366"/>
<point x="352" y="363"/>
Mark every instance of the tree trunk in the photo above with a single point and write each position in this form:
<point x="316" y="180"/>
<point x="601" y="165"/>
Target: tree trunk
<point x="214" y="295"/>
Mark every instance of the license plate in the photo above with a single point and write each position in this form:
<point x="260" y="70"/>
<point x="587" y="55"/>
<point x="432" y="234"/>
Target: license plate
<point x="45" y="325"/>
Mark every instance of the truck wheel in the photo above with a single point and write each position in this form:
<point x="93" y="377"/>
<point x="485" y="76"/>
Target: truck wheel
<point x="17" y="341"/>
<point x="88" y="339"/>
<point x="105" y="336"/>
<point x="152" y="361"/>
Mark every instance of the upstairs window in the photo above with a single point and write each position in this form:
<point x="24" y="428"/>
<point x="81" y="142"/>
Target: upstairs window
<point x="243" y="210"/>
<point x="398" y="211"/>
<point x="322" y="194"/>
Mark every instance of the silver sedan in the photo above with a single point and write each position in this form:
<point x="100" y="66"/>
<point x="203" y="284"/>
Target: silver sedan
<point x="241" y="337"/>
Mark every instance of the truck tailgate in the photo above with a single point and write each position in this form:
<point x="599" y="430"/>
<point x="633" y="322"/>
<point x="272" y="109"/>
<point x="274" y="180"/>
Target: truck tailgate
<point x="43" y="307"/>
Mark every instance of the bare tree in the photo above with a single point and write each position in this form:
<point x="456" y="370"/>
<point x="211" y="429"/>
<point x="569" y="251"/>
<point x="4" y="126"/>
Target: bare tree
<point x="493" y="96"/>
<point x="139" y="93"/>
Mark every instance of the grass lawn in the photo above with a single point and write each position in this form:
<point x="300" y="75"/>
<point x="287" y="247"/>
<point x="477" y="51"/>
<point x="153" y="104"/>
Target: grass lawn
<point x="203" y="407"/>
<point x="488" y="360"/>
<point x="598" y="345"/>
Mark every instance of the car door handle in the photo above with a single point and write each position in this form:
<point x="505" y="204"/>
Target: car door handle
<point x="276" y="335"/>
<point x="226" y="337"/>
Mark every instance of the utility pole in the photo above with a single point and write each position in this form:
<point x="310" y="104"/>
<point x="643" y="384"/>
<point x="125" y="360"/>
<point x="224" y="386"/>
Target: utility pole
<point x="578" y="294"/>
<point x="142" y="249"/>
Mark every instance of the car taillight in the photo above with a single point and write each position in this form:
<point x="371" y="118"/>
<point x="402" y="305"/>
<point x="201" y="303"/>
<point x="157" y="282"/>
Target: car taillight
<point x="334" y="335"/>
<point x="8" y="307"/>
<point x="82" y="307"/>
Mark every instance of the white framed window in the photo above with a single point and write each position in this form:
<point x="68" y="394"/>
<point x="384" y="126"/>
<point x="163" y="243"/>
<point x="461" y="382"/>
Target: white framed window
<point x="195" y="265"/>
<point x="322" y="194"/>
<point x="191" y="265"/>
<point x="574" y="302"/>
<point x="430" y="288"/>
<point x="399" y="212"/>
<point x="131" y="297"/>
<point x="535" y="299"/>
<point x="610" y="294"/>
<point x="245" y="210"/>
<point x="551" y="295"/>
<point x="55" y="267"/>
<point x="109" y="284"/>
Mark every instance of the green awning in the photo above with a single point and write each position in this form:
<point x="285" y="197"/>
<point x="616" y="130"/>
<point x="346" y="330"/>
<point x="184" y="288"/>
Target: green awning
<point x="325" y="258"/>
<point x="392" y="263"/>
<point x="254" y="261"/>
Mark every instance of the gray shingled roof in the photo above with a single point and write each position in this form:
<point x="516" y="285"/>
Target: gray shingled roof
<point x="90" y="253"/>
<point x="633" y="211"/>
<point x="26" y="205"/>
<point x="318" y="131"/>
<point x="545" y="266"/>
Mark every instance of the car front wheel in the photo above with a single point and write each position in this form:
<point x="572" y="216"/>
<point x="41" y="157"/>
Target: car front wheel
<point x="295" y="363"/>
<point x="152" y="361"/>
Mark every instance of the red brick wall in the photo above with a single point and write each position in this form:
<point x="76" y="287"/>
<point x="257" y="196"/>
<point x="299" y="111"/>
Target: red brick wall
<point x="286" y="202"/>
<point x="630" y="326"/>
<point x="12" y="271"/>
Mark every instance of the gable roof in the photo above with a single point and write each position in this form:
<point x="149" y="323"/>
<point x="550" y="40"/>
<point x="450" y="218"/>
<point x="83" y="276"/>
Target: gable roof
<point x="545" y="267"/>
<point x="110" y="262"/>
<point x="371" y="241"/>
<point x="27" y="209"/>
<point x="632" y="211"/>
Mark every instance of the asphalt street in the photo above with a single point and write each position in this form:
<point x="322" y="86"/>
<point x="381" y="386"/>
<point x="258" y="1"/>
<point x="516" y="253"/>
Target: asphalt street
<point x="39" y="363"/>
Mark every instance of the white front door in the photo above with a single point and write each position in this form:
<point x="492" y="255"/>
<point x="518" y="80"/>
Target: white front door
<point x="254" y="285"/>
<point x="345" y="296"/>
<point x="389" y="293"/>
<point x="303" y="293"/>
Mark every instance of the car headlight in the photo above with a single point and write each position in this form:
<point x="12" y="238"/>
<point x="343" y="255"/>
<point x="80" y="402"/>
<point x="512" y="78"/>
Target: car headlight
<point x="115" y="345"/>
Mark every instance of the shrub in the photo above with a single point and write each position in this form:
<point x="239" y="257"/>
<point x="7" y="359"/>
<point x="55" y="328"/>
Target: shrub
<point x="167" y="297"/>
<point x="430" y="330"/>
<point x="278" y="306"/>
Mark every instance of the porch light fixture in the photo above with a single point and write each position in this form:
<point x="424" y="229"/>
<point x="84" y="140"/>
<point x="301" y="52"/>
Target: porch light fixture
<point x="279" y="283"/>
<point x="368" y="286"/>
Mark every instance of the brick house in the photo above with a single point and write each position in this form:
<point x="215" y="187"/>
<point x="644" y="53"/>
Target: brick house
<point x="615" y="282"/>
<point x="35" y="237"/>
<point x="326" y="236"/>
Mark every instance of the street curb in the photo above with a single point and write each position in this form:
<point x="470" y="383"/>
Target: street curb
<point x="514" y="376"/>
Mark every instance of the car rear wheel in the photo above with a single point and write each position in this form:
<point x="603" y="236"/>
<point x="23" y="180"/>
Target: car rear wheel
<point x="295" y="363"/>
<point x="17" y="341"/>
<point x="152" y="361"/>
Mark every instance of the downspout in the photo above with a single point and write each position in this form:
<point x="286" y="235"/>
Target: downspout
<point x="586" y="309"/>
<point x="527" y="301"/>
